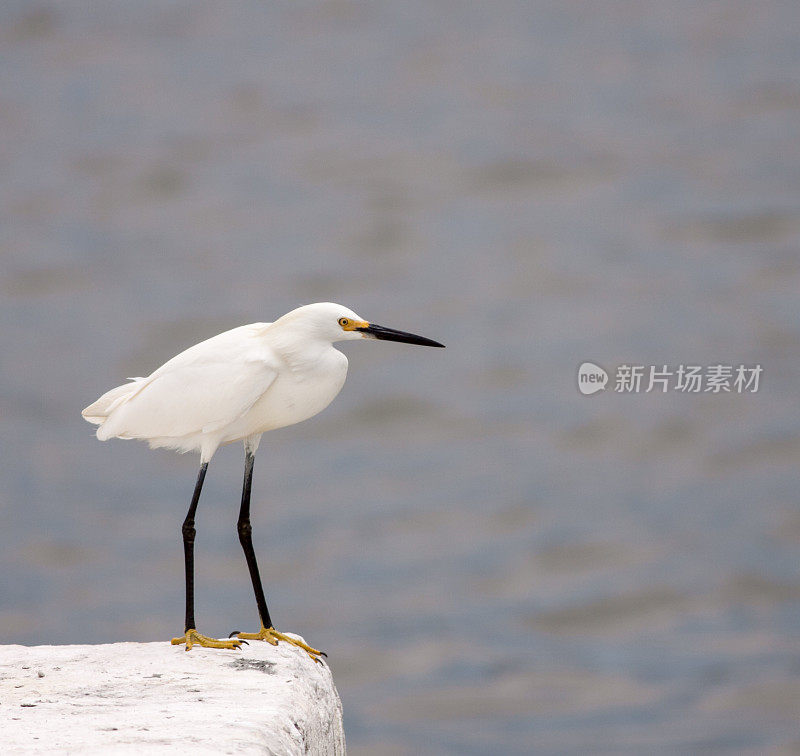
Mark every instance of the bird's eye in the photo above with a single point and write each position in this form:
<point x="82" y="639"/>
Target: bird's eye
<point x="344" y="322"/>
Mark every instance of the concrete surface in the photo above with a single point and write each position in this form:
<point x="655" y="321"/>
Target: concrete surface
<point x="157" y="698"/>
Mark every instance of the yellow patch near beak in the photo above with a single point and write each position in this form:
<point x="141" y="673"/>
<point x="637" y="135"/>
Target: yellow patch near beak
<point x="352" y="325"/>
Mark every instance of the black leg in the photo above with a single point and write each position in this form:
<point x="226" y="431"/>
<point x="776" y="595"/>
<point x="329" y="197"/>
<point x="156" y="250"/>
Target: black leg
<point x="246" y="539"/>
<point x="188" y="548"/>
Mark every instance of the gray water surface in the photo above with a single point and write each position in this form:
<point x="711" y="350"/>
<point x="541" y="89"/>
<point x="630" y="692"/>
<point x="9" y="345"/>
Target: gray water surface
<point x="494" y="563"/>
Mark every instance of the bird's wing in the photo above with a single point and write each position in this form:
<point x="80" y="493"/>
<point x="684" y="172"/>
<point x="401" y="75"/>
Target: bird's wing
<point x="201" y="398"/>
<point x="201" y="390"/>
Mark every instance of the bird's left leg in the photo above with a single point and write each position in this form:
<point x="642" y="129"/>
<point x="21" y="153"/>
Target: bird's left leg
<point x="190" y="635"/>
<point x="267" y="632"/>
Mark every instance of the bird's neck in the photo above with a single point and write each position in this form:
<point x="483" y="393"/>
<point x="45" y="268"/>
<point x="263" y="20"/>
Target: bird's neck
<point x="301" y="351"/>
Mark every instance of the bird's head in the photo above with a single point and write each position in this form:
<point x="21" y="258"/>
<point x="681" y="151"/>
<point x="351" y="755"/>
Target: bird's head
<point x="333" y="322"/>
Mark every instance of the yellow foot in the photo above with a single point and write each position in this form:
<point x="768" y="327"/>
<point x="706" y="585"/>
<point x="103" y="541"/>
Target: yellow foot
<point x="192" y="637"/>
<point x="271" y="635"/>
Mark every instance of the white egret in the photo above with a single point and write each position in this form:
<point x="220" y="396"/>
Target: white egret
<point x="234" y="387"/>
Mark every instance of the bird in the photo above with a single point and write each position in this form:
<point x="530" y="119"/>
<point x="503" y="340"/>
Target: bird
<point x="232" y="387"/>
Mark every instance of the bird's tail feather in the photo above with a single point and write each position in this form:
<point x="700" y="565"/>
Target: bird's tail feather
<point x="99" y="411"/>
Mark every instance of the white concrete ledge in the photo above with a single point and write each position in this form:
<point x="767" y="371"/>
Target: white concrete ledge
<point x="158" y="698"/>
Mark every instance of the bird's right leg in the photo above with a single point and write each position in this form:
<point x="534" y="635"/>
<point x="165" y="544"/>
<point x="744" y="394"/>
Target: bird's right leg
<point x="267" y="633"/>
<point x="191" y="636"/>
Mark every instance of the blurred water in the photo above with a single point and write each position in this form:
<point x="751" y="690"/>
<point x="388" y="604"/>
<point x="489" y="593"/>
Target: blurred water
<point x="494" y="563"/>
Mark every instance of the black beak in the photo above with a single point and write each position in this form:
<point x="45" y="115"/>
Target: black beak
<point x="389" y="334"/>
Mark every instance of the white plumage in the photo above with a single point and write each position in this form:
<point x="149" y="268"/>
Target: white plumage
<point x="234" y="386"/>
